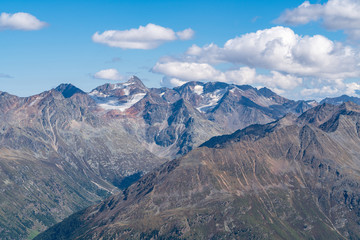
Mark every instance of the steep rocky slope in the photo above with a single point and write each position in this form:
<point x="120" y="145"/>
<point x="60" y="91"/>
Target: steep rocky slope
<point x="295" y="178"/>
<point x="64" y="149"/>
<point x="57" y="156"/>
<point x="170" y="122"/>
<point x="234" y="107"/>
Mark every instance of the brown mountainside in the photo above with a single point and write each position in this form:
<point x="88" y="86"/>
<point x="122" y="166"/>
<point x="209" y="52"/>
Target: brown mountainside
<point x="64" y="149"/>
<point x="295" y="178"/>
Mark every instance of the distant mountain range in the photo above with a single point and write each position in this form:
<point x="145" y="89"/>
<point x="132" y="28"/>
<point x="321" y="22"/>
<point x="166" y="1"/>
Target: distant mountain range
<point x="340" y="100"/>
<point x="294" y="178"/>
<point x="65" y="149"/>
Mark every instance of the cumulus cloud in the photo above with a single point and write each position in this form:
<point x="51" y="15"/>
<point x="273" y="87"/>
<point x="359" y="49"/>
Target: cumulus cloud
<point x="274" y="80"/>
<point x="20" y="21"/>
<point x="171" y="82"/>
<point x="145" y="37"/>
<point x="279" y="80"/>
<point x="325" y="88"/>
<point x="289" y="63"/>
<point x="335" y="15"/>
<point x="189" y="71"/>
<point x="178" y="73"/>
<point x="186" y="34"/>
<point x="352" y="89"/>
<point x="303" y="14"/>
<point x="108" y="74"/>
<point x="210" y="53"/>
<point x="323" y="91"/>
<point x="242" y="76"/>
<point x="280" y="49"/>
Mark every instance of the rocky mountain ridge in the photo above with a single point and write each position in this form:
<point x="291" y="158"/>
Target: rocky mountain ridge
<point x="294" y="178"/>
<point x="65" y="149"/>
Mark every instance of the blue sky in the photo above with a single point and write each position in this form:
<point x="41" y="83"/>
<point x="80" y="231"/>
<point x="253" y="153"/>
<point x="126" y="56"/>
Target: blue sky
<point x="299" y="49"/>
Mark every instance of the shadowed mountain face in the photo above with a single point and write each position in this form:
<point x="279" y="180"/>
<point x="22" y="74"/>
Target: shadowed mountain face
<point x="295" y="178"/>
<point x="68" y="90"/>
<point x="64" y="149"/>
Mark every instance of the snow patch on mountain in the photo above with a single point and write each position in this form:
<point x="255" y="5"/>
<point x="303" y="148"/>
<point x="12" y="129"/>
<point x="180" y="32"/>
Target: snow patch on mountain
<point x="312" y="103"/>
<point x="128" y="84"/>
<point x="117" y="86"/>
<point x="35" y="101"/>
<point x="113" y="103"/>
<point x="210" y="100"/>
<point x="126" y="91"/>
<point x="97" y="94"/>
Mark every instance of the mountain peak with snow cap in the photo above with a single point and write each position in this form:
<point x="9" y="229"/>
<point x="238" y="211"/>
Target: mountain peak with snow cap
<point x="119" y="96"/>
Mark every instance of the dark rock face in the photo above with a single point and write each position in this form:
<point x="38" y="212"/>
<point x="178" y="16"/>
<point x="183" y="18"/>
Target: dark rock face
<point x="63" y="150"/>
<point x="68" y="90"/>
<point x="295" y="178"/>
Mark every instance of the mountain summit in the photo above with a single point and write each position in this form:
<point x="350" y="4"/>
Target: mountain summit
<point x="68" y="90"/>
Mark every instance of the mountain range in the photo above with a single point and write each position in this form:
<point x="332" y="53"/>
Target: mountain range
<point x="294" y="178"/>
<point x="65" y="149"/>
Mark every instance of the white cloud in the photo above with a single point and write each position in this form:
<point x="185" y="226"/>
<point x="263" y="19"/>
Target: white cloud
<point x="189" y="71"/>
<point x="303" y="14"/>
<point x="280" y="49"/>
<point x="314" y="64"/>
<point x="108" y="74"/>
<point x="171" y="82"/>
<point x="20" y="21"/>
<point x="280" y="81"/>
<point x="144" y="37"/>
<point x="278" y="91"/>
<point x="352" y="89"/>
<point x="242" y="76"/>
<point x="324" y="91"/>
<point x="177" y="73"/>
<point x="320" y="89"/>
<point x="186" y="34"/>
<point x="274" y="80"/>
<point x="335" y="15"/>
<point x="210" y="53"/>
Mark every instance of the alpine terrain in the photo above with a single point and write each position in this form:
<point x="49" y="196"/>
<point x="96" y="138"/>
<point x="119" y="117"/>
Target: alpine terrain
<point x="244" y="124"/>
<point x="293" y="178"/>
<point x="63" y="150"/>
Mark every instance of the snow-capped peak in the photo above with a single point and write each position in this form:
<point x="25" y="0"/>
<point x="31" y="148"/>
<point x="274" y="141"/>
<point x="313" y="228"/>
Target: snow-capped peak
<point x="119" y="96"/>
